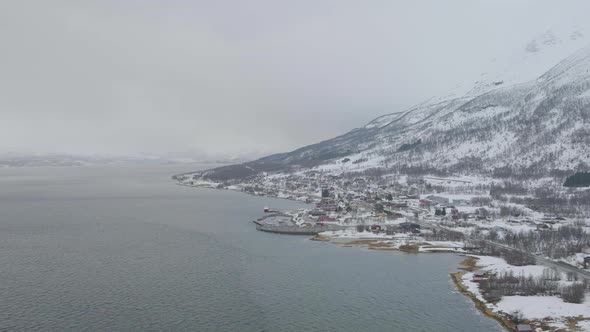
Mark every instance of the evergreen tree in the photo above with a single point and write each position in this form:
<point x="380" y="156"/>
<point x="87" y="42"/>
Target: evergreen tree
<point x="580" y="179"/>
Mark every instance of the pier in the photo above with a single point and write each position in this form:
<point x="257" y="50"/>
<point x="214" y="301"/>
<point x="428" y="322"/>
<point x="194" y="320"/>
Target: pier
<point x="296" y="230"/>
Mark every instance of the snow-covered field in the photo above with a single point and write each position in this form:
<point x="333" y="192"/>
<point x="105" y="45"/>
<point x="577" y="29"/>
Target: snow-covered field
<point x="539" y="307"/>
<point x="551" y="308"/>
<point x="396" y="240"/>
<point x="353" y="234"/>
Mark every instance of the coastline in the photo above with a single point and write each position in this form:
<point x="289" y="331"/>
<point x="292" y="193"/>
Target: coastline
<point x="210" y="186"/>
<point x="378" y="244"/>
<point x="495" y="310"/>
<point x="469" y="264"/>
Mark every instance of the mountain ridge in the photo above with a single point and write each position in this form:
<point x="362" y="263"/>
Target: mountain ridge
<point x="538" y="125"/>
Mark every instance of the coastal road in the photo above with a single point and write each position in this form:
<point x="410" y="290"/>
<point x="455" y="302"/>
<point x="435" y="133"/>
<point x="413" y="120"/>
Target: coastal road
<point x="564" y="267"/>
<point x="546" y="262"/>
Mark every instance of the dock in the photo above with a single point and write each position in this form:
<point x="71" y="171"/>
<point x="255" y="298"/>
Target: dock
<point x="296" y="230"/>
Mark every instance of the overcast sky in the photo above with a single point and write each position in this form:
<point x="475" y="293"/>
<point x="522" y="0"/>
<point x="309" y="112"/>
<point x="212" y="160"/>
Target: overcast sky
<point x="219" y="76"/>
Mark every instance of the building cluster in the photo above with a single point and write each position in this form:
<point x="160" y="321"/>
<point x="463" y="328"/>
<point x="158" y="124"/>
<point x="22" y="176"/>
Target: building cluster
<point x="370" y="202"/>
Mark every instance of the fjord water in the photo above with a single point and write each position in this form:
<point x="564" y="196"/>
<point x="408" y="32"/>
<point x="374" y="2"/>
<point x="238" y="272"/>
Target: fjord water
<point x="125" y="249"/>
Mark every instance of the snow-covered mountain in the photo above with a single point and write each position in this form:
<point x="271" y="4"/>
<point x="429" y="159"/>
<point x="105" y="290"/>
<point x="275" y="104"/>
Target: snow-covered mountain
<point x="534" y="126"/>
<point x="525" y="63"/>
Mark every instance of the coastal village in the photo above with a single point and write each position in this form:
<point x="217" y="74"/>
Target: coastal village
<point x="426" y="215"/>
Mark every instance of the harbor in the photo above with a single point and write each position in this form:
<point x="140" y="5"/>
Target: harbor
<point x="292" y="223"/>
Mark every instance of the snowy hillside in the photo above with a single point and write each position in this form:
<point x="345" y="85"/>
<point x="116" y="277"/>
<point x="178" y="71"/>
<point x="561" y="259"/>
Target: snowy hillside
<point x="531" y="60"/>
<point x="537" y="126"/>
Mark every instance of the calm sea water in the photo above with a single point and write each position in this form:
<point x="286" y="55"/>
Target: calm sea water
<point x="125" y="249"/>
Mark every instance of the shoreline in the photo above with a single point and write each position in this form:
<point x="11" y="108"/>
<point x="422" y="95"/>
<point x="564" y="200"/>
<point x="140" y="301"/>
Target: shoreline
<point x="208" y="186"/>
<point x="558" y="323"/>
<point x="289" y="230"/>
<point x="469" y="264"/>
<point x="465" y="266"/>
<point x="377" y="244"/>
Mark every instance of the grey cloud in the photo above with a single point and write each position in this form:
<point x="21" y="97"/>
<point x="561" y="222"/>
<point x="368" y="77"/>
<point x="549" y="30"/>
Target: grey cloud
<point x="234" y="76"/>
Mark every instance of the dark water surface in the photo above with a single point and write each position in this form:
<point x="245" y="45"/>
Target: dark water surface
<point x="125" y="249"/>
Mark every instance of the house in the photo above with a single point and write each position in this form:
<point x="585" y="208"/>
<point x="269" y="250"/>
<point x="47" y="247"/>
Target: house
<point x="424" y="203"/>
<point x="478" y="279"/>
<point x="326" y="219"/>
<point x="410" y="227"/>
<point x="316" y="213"/>
<point x="523" y="328"/>
<point x="266" y="210"/>
<point x="438" y="199"/>
<point x="481" y="214"/>
<point x="326" y="206"/>
<point x="479" y="276"/>
<point x="455" y="214"/>
<point x="394" y="215"/>
<point x="461" y="202"/>
<point x="499" y="229"/>
<point x="399" y="204"/>
<point x="375" y="228"/>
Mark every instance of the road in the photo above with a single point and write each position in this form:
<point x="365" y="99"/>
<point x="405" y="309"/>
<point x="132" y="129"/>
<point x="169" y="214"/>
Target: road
<point x="564" y="267"/>
<point x="546" y="262"/>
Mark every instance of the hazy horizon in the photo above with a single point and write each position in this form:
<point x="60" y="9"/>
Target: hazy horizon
<point x="184" y="78"/>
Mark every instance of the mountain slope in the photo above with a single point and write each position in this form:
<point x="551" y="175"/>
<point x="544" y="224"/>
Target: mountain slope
<point x="537" y="126"/>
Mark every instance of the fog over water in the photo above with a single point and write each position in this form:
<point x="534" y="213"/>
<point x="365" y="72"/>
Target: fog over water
<point x="236" y="77"/>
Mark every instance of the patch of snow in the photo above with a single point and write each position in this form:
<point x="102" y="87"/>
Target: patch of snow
<point x="539" y="307"/>
<point x="352" y="233"/>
